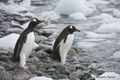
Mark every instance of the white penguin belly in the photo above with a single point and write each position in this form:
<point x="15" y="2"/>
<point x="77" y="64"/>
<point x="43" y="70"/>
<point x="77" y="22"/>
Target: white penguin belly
<point x="65" y="47"/>
<point x="27" y="48"/>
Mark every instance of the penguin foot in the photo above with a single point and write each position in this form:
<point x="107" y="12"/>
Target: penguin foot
<point x="26" y="67"/>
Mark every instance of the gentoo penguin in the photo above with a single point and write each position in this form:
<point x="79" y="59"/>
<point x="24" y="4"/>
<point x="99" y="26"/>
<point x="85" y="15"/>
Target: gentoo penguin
<point x="24" y="44"/>
<point x="63" y="44"/>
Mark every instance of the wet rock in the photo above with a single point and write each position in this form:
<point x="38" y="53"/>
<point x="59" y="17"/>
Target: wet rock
<point x="21" y="77"/>
<point x="4" y="1"/>
<point x="39" y="38"/>
<point x="56" y="66"/>
<point x="74" y="75"/>
<point x="2" y="68"/>
<point x="72" y="52"/>
<point x="75" y="79"/>
<point x="1" y="17"/>
<point x="79" y="66"/>
<point x="43" y="48"/>
<point x="4" y="75"/>
<point x="15" y="30"/>
<point x="77" y="49"/>
<point x="64" y="71"/>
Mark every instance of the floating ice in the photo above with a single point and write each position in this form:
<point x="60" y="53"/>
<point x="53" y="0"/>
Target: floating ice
<point x="78" y="16"/>
<point x="103" y="16"/>
<point x="67" y="7"/>
<point x="86" y="44"/>
<point x="109" y="27"/>
<point x="8" y="42"/>
<point x="108" y="76"/>
<point x="40" y="78"/>
<point x="116" y="13"/>
<point x="96" y="35"/>
<point x="116" y="55"/>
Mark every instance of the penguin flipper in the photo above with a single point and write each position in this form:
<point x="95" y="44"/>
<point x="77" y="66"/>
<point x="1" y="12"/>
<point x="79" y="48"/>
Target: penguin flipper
<point x="18" y="47"/>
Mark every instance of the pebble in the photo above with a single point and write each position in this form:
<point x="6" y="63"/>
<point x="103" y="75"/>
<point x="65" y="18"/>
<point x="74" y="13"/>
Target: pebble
<point x="15" y="30"/>
<point x="72" y="52"/>
<point x="39" y="38"/>
<point x="2" y="68"/>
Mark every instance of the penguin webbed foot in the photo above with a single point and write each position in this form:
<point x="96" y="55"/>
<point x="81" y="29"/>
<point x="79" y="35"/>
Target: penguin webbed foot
<point x="26" y="67"/>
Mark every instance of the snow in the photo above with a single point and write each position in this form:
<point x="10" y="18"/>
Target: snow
<point x="116" y="13"/>
<point x="97" y="35"/>
<point x="77" y="16"/>
<point x="8" y="42"/>
<point x="108" y="76"/>
<point x="109" y="27"/>
<point x="97" y="2"/>
<point x="40" y="78"/>
<point x="116" y="55"/>
<point x="67" y="7"/>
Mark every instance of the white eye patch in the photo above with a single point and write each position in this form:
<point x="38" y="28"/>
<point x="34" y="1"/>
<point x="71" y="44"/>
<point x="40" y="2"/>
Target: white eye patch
<point x="71" y="27"/>
<point x="34" y="19"/>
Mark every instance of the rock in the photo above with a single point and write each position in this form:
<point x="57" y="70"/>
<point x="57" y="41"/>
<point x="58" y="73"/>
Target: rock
<point x="46" y="33"/>
<point x="74" y="75"/>
<point x="33" y="60"/>
<point x="56" y="66"/>
<point x="5" y="65"/>
<point x="42" y="65"/>
<point x="62" y="76"/>
<point x="15" y="30"/>
<point x="64" y="79"/>
<point x="3" y="52"/>
<point x="38" y="38"/>
<point x="77" y="49"/>
<point x="45" y="47"/>
<point x="1" y="17"/>
<point x="4" y="27"/>
<point x="4" y="1"/>
<point x="2" y="68"/>
<point x="64" y="71"/>
<point x="21" y="77"/>
<point x="70" y="67"/>
<point x="79" y="66"/>
<point x="86" y="76"/>
<point x="4" y="75"/>
<point x="72" y="52"/>
<point x="75" y="79"/>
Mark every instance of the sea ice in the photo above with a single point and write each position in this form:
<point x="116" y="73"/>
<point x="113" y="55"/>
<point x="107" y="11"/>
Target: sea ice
<point x="116" y="55"/>
<point x="116" y="13"/>
<point x="77" y="16"/>
<point x="67" y="7"/>
<point x="109" y="27"/>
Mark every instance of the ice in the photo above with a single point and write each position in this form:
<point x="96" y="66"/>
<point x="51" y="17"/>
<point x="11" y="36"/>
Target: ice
<point x="8" y="42"/>
<point x="48" y="15"/>
<point x="109" y="27"/>
<point x="108" y="76"/>
<point x="116" y="13"/>
<point x="99" y="2"/>
<point x="67" y="7"/>
<point x="97" y="35"/>
<point x="103" y="16"/>
<point x="116" y="55"/>
<point x="86" y="44"/>
<point x="40" y="78"/>
<point x="78" y="16"/>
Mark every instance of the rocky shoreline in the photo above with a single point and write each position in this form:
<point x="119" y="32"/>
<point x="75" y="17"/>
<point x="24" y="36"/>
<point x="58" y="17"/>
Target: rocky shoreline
<point x="40" y="61"/>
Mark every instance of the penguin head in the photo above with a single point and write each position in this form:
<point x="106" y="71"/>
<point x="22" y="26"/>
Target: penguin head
<point x="73" y="29"/>
<point x="35" y="21"/>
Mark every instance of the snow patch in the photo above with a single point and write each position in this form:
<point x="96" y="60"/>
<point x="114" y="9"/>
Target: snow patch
<point x="40" y="78"/>
<point x="116" y="55"/>
<point x="8" y="42"/>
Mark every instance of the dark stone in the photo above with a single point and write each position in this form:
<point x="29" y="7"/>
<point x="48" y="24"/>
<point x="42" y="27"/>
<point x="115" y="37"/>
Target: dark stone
<point x="2" y="68"/>
<point x="6" y="66"/>
<point x="5" y="75"/>
<point x="87" y="76"/>
<point x="47" y="34"/>
<point x="62" y="76"/>
<point x="21" y="77"/>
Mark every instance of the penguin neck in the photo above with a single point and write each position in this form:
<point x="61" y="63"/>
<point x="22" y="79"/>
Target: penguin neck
<point x="28" y="29"/>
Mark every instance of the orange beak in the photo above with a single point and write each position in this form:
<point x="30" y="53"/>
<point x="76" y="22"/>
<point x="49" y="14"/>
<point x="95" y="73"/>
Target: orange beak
<point x="77" y="30"/>
<point x="41" y="21"/>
